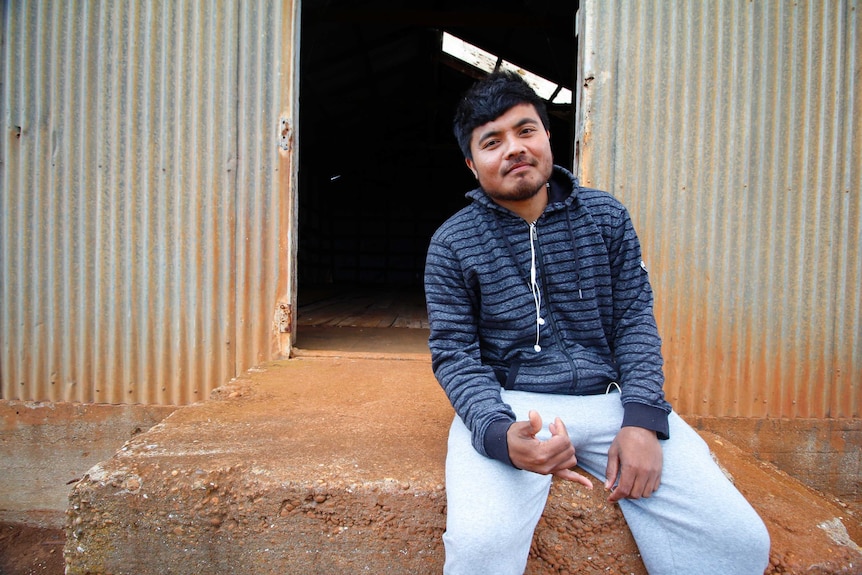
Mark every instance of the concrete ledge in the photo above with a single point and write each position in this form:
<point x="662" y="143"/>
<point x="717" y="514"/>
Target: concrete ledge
<point x="335" y="465"/>
<point x="825" y="454"/>
<point x="46" y="447"/>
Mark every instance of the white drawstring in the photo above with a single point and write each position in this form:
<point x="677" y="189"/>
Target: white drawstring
<point x="534" y="286"/>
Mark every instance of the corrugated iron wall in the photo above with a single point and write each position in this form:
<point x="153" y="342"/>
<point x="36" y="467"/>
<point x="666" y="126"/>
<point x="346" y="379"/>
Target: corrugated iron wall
<point x="142" y="221"/>
<point x="732" y="130"/>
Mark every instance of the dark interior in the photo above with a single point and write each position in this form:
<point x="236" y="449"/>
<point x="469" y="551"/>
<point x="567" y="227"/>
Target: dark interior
<point x="379" y="168"/>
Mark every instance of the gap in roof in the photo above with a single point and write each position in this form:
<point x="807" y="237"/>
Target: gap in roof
<point x="478" y="58"/>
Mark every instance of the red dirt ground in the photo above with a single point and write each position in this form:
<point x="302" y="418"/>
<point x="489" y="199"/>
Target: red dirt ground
<point x="31" y="550"/>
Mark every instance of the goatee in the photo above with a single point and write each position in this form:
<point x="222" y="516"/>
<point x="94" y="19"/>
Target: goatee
<point x="524" y="190"/>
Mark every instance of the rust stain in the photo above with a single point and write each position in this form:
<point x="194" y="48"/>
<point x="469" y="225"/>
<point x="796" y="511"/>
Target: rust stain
<point x="714" y="368"/>
<point x="285" y="140"/>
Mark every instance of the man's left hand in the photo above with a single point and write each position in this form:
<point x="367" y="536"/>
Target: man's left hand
<point x="634" y="464"/>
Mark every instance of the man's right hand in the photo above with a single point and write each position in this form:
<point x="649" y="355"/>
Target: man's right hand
<point x="555" y="456"/>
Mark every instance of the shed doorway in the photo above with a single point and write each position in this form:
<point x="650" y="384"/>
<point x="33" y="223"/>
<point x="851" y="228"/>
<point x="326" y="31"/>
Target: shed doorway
<point x="379" y="169"/>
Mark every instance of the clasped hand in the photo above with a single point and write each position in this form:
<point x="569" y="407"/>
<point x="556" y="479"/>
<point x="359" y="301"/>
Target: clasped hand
<point x="634" y="459"/>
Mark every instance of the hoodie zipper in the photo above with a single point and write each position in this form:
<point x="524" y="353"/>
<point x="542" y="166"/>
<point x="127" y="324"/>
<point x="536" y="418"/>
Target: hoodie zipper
<point x="534" y="237"/>
<point x="534" y="285"/>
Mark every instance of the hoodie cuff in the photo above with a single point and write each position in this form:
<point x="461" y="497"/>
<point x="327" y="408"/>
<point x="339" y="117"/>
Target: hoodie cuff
<point x="648" y="417"/>
<point x="495" y="442"/>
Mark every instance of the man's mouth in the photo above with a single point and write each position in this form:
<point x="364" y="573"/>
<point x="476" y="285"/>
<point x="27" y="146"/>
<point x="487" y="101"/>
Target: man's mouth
<point x="518" y="167"/>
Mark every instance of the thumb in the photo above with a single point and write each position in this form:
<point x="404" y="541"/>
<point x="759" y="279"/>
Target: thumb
<point x="535" y="422"/>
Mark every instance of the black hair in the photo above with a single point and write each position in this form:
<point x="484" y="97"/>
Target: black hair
<point x="490" y="98"/>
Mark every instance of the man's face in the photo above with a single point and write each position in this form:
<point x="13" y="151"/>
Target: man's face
<point x="512" y="154"/>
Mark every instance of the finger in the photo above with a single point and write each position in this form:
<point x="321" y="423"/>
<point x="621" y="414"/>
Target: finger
<point x="644" y="484"/>
<point x="653" y="487"/>
<point x="560" y="453"/>
<point x="611" y="469"/>
<point x="535" y="422"/>
<point x="639" y="488"/>
<point x="570" y="475"/>
<point x="558" y="428"/>
<point x="623" y="489"/>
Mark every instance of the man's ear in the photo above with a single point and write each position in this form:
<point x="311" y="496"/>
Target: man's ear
<point x="469" y="163"/>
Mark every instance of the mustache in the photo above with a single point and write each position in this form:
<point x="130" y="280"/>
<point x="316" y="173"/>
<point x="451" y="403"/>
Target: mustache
<point x="519" y="161"/>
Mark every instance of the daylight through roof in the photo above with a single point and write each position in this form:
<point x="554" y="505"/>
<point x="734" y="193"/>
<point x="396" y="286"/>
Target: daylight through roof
<point x="488" y="62"/>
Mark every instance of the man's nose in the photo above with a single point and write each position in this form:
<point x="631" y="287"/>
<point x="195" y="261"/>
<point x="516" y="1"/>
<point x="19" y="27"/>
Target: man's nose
<point x="514" y="146"/>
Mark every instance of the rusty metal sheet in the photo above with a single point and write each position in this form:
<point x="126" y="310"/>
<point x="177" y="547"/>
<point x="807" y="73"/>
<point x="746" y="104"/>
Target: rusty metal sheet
<point x="731" y="130"/>
<point x="143" y="216"/>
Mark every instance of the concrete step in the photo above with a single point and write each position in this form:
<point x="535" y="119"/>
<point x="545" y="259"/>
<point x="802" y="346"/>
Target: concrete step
<point x="335" y="465"/>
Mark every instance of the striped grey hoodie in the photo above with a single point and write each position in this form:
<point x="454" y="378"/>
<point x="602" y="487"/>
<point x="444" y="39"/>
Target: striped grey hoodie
<point x="562" y="305"/>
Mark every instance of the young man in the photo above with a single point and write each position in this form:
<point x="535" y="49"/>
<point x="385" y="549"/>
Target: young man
<point x="541" y="310"/>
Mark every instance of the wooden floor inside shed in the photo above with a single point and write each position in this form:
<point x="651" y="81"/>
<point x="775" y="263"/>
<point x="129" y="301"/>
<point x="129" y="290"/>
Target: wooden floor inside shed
<point x="362" y="307"/>
<point x="367" y="319"/>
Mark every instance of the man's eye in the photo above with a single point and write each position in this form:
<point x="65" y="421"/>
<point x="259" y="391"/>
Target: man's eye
<point x="489" y="144"/>
<point x="528" y="131"/>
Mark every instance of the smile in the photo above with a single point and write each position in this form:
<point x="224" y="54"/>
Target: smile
<point x="519" y="167"/>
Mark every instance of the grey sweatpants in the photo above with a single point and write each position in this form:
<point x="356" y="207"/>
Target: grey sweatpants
<point x="697" y="522"/>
